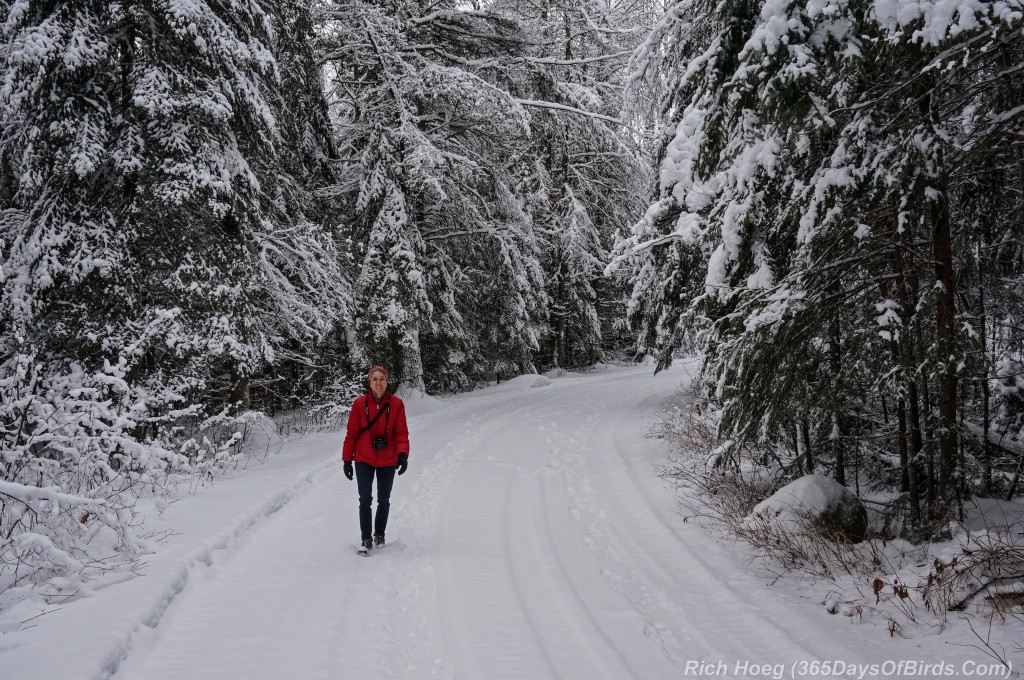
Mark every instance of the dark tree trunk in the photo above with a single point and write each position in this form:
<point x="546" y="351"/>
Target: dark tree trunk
<point x="908" y="407"/>
<point x="805" y="429"/>
<point x="837" y="436"/>
<point x="986" y="451"/>
<point x="239" y="397"/>
<point x="901" y="445"/>
<point x="945" y="341"/>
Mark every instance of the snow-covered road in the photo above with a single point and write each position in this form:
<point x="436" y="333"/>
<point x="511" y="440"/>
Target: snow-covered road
<point x="529" y="539"/>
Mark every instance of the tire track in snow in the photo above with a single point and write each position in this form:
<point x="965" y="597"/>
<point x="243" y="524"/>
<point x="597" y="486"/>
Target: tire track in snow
<point x="482" y="563"/>
<point x="676" y="565"/>
<point x="223" y="545"/>
<point x="259" y="615"/>
<point x="417" y="516"/>
<point x="619" y="666"/>
<point x="590" y="509"/>
<point x="570" y="469"/>
<point x="545" y="605"/>
<point x="669" y="569"/>
<point x="619" y="549"/>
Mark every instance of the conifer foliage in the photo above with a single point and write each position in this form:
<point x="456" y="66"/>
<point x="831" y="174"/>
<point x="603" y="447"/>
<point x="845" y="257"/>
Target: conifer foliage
<point x="820" y="235"/>
<point x="157" y="254"/>
<point x="583" y="177"/>
<point x="484" y="215"/>
<point x="422" y="133"/>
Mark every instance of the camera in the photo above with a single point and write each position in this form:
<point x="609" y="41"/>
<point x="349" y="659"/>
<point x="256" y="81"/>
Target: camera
<point x="380" y="443"/>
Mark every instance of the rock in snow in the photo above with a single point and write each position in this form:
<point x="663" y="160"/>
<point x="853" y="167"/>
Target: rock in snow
<point x="829" y="506"/>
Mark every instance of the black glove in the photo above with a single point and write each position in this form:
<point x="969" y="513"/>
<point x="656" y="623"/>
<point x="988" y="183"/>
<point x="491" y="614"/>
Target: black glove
<point x="403" y="462"/>
<point x="348" y="469"/>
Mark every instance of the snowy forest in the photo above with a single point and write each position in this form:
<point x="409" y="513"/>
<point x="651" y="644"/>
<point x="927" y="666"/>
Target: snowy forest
<point x="215" y="212"/>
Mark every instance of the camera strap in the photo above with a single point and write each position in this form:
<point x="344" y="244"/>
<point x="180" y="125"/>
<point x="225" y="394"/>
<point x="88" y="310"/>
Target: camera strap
<point x="386" y="411"/>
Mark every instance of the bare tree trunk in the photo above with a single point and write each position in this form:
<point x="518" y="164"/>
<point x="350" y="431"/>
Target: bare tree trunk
<point x="908" y="407"/>
<point x="915" y="448"/>
<point x="561" y="351"/>
<point x="412" y="361"/>
<point x="1016" y="478"/>
<point x="1007" y="61"/>
<point x="901" y="445"/>
<point x="239" y="397"/>
<point x="929" y="443"/>
<point x="805" y="430"/>
<point x="945" y="340"/>
<point x="986" y="453"/>
<point x="837" y="435"/>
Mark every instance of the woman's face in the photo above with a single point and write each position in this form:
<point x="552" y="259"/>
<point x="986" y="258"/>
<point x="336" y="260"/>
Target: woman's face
<point x="378" y="383"/>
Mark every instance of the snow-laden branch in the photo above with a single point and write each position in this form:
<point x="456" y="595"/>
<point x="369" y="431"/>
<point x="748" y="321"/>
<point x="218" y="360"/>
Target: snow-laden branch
<point x="448" y="14"/>
<point x="52" y="494"/>
<point x="570" y="109"/>
<point x="574" y="62"/>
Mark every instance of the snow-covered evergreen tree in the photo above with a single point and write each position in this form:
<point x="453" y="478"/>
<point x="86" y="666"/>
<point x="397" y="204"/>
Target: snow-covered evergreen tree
<point x="156" y="253"/>
<point x="308" y="168"/>
<point x="807" y="216"/>
<point x="429" y="136"/>
<point x="583" y="176"/>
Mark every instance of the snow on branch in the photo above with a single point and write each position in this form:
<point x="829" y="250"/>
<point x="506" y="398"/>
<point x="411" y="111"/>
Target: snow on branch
<point x="51" y="494"/>
<point x="570" y="109"/>
<point x="448" y="14"/>
<point x="574" y="62"/>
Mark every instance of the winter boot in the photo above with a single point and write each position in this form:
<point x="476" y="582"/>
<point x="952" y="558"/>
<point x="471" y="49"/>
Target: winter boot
<point x="365" y="546"/>
<point x="378" y="541"/>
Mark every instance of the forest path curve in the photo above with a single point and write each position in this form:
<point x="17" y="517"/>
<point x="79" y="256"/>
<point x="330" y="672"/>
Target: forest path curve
<point x="531" y="538"/>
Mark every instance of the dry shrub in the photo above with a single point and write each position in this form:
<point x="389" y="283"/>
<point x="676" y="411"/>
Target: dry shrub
<point x="986" y="576"/>
<point x="880" y="577"/>
<point x="718" y="488"/>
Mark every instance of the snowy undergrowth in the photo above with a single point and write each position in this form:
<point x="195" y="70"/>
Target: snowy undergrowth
<point x="972" y="581"/>
<point x="74" y="466"/>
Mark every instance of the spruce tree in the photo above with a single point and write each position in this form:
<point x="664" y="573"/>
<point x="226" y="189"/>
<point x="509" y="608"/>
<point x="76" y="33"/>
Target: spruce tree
<point x="156" y="252"/>
<point x="450" y="289"/>
<point x="807" y="225"/>
<point x="583" y="177"/>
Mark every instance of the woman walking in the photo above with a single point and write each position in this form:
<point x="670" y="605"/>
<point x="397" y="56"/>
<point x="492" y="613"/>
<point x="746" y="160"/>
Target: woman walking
<point x="377" y="441"/>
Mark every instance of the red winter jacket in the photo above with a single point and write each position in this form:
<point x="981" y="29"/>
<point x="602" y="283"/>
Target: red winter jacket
<point x="391" y="425"/>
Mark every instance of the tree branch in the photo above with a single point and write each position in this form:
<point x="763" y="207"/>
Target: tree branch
<point x="573" y="62"/>
<point x="570" y="109"/>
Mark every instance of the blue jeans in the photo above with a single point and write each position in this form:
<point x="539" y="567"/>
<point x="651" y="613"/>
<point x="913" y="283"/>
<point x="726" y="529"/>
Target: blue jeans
<point x="364" y="480"/>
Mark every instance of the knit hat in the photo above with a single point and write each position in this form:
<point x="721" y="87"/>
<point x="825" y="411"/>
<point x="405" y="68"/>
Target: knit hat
<point x="373" y="370"/>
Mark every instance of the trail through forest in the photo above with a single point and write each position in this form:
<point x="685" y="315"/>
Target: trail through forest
<point x="530" y="538"/>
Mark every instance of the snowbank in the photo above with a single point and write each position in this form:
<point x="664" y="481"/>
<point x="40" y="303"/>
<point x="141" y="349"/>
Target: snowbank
<point x="98" y="626"/>
<point x="419" y="403"/>
<point x="522" y="382"/>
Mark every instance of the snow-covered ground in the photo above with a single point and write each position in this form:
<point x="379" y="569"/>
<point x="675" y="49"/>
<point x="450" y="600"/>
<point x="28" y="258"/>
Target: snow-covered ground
<point x="529" y="539"/>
